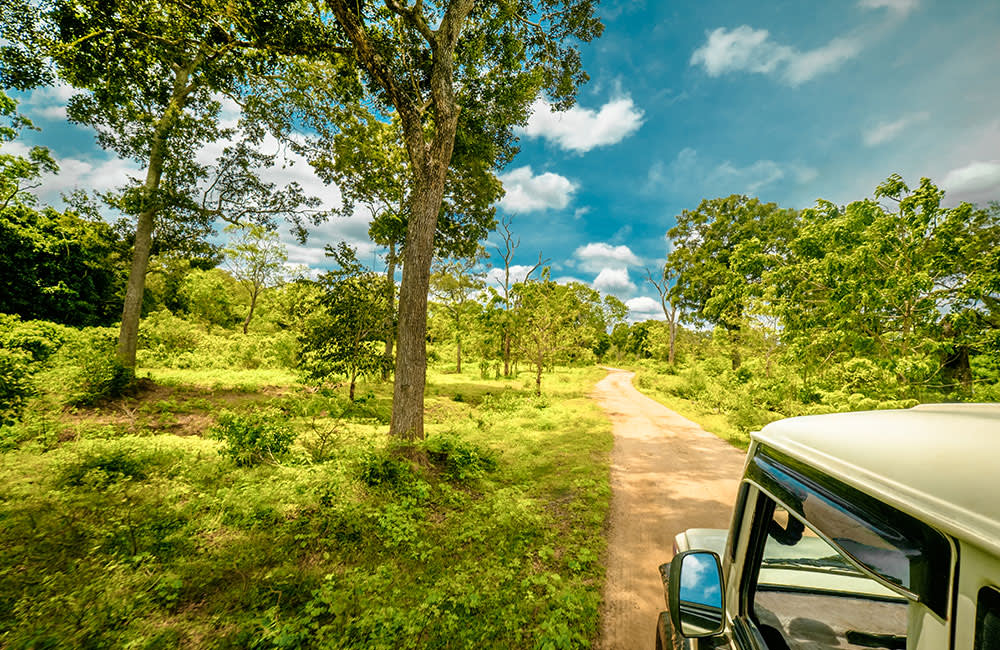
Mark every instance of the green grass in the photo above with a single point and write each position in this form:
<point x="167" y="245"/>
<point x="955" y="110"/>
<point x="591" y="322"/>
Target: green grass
<point x="124" y="525"/>
<point x="226" y="379"/>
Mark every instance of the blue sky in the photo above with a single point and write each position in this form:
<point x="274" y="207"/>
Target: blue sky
<point x="789" y="100"/>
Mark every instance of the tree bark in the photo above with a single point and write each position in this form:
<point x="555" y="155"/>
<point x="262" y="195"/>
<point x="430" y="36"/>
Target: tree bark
<point x="253" y="303"/>
<point x="411" y="352"/>
<point x="458" y="358"/>
<point x="673" y="338"/>
<point x="128" y="335"/>
<point x="354" y="376"/>
<point x="506" y="353"/>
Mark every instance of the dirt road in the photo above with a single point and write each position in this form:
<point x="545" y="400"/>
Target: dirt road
<point x="667" y="474"/>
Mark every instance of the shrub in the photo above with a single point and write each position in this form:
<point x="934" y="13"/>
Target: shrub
<point x="384" y="469"/>
<point x="253" y="438"/>
<point x="37" y="337"/>
<point x="15" y="384"/>
<point x="101" y="467"/>
<point x="101" y="377"/>
<point x="459" y="460"/>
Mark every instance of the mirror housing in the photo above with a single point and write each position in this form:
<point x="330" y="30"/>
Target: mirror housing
<point x="696" y="595"/>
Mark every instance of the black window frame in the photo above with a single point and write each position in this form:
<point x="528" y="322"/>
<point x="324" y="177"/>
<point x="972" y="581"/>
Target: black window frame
<point x="987" y="602"/>
<point x="930" y="552"/>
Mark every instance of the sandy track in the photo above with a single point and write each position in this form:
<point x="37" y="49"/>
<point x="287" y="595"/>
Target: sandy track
<point x="667" y="474"/>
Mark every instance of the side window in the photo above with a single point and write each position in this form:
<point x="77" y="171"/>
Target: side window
<point x="807" y="595"/>
<point x="988" y="620"/>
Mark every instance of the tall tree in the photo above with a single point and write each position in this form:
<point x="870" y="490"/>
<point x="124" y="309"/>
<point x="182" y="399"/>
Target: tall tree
<point x="711" y="255"/>
<point x="665" y="284"/>
<point x="909" y="286"/>
<point x="343" y="336"/>
<point x="256" y="258"/>
<point x="455" y="284"/>
<point x="152" y="72"/>
<point x="556" y="321"/>
<point x="459" y="75"/>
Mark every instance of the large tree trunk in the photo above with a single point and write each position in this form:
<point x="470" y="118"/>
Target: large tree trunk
<point x="673" y="341"/>
<point x="128" y="335"/>
<point x="506" y="354"/>
<point x="354" y="377"/>
<point x="411" y="353"/>
<point x="458" y="357"/>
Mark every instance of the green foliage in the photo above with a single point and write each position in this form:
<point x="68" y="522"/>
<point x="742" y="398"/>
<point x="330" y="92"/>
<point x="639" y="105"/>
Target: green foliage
<point x="41" y="339"/>
<point x="459" y="460"/>
<point x="15" y="384"/>
<point x="101" y="377"/>
<point x="210" y="296"/>
<point x="255" y="437"/>
<point x="59" y="266"/>
<point x="345" y="335"/>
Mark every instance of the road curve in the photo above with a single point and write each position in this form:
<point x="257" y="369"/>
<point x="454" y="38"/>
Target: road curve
<point x="667" y="474"/>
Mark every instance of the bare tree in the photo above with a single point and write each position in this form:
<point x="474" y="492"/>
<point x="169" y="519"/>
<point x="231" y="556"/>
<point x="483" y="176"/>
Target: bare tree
<point x="669" y="301"/>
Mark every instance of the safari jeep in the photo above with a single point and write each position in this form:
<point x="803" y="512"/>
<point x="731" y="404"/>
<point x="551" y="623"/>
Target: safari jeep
<point x="851" y="530"/>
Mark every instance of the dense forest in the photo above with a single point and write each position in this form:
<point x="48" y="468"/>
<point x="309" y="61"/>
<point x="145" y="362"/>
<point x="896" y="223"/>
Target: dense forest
<point x="205" y="446"/>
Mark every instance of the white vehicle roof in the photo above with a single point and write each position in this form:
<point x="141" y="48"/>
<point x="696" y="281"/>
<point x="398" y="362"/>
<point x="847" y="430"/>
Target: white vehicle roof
<point x="938" y="462"/>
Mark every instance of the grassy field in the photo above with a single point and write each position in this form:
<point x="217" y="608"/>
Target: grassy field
<point x="242" y="509"/>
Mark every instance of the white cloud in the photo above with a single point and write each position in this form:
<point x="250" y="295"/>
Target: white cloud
<point x="976" y="182"/>
<point x="581" y="129"/>
<point x="644" y="308"/>
<point x="803" y="66"/>
<point x="597" y="256"/>
<point x="614" y="281"/>
<point x="48" y="102"/>
<point x="745" y="49"/>
<point x="100" y="174"/>
<point x="518" y="272"/>
<point x="901" y="7"/>
<point x="885" y="131"/>
<point x="580" y="212"/>
<point x="526" y="192"/>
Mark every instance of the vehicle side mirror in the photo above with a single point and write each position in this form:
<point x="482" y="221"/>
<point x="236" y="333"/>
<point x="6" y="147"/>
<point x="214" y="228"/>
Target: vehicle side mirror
<point x="695" y="594"/>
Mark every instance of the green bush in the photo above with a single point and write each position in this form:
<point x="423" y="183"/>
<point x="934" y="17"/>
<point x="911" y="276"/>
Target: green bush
<point x="255" y="437"/>
<point x="382" y="468"/>
<point x="101" y="377"/>
<point x="15" y="384"/>
<point x="39" y="338"/>
<point x="459" y="460"/>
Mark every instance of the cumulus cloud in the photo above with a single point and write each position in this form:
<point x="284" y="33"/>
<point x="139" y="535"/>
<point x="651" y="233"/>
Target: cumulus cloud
<point x="614" y="281"/>
<point x="886" y="131"/>
<point x="526" y="192"/>
<point x="598" y="256"/>
<point x="901" y="7"/>
<point x="582" y="129"/>
<point x="98" y="173"/>
<point x="745" y="49"/>
<point x="644" y="308"/>
<point x="976" y="182"/>
<point x="48" y="102"/>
